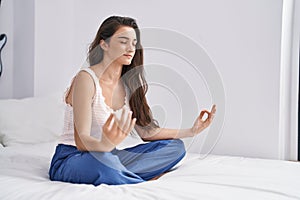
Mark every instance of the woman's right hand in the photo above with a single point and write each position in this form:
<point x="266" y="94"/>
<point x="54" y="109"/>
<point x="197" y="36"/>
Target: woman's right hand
<point x="115" y="130"/>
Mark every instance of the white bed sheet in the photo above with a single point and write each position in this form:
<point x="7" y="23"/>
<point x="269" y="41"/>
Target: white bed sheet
<point x="24" y="175"/>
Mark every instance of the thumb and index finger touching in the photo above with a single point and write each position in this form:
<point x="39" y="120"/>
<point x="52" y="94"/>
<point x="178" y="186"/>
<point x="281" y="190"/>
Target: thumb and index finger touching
<point x="210" y="114"/>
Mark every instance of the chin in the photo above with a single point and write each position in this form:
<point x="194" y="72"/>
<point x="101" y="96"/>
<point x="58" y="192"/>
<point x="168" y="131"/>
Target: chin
<point x="126" y="62"/>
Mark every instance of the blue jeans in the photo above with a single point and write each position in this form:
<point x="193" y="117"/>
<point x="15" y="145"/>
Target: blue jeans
<point x="131" y="165"/>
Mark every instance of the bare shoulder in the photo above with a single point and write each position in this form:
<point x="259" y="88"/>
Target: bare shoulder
<point x="84" y="84"/>
<point x="84" y="80"/>
<point x="84" y="77"/>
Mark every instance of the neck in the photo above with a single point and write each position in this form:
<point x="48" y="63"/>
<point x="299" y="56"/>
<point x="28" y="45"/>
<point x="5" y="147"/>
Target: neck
<point x="110" y="72"/>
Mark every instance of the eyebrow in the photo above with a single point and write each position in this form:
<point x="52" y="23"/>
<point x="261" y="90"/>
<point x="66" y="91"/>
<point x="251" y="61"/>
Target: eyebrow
<point x="127" y="38"/>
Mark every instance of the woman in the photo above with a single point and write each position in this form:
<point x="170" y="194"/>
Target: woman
<point x="105" y="102"/>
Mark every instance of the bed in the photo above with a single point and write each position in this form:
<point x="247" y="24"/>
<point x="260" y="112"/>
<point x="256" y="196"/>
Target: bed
<point x="29" y="129"/>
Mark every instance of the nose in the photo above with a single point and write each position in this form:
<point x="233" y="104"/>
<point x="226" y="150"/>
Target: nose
<point x="131" y="48"/>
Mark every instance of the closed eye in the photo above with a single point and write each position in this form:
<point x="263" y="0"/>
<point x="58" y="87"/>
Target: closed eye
<point x="124" y="40"/>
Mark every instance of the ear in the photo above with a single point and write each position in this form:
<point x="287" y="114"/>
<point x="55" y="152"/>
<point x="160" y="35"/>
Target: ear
<point x="103" y="45"/>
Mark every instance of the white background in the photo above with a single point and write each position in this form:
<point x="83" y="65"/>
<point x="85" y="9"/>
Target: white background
<point x="48" y="41"/>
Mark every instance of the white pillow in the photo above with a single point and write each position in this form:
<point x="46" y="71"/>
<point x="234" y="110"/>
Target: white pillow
<point x="31" y="120"/>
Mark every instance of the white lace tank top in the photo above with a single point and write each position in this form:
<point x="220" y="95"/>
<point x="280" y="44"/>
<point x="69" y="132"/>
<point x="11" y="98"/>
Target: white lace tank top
<point x="100" y="113"/>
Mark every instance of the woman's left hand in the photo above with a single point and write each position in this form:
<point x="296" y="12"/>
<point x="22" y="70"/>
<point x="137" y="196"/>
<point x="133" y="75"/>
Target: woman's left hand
<point x="200" y="124"/>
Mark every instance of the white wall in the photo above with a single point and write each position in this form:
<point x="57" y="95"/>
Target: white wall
<point x="17" y="22"/>
<point x="54" y="46"/>
<point x="242" y="38"/>
<point x="23" y="52"/>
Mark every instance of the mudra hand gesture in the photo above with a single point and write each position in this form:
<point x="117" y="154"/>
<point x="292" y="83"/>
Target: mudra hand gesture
<point x="202" y="123"/>
<point x="116" y="129"/>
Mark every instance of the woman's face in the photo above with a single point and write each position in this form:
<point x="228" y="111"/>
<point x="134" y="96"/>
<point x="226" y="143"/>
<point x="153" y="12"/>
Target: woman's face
<point x="122" y="45"/>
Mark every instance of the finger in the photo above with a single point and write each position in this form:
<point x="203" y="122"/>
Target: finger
<point x="132" y="124"/>
<point x="115" y="123"/>
<point x="202" y="113"/>
<point x="202" y="117"/>
<point x="108" y="121"/>
<point x="211" y="117"/>
<point x="128" y="121"/>
<point x="123" y="118"/>
<point x="212" y="113"/>
<point x="213" y="109"/>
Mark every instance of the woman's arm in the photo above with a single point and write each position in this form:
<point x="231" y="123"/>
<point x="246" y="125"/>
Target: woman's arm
<point x="82" y="95"/>
<point x="165" y="133"/>
<point x="114" y="131"/>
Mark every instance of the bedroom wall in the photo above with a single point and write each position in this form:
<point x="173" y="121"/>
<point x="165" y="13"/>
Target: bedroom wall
<point x="23" y="51"/>
<point x="55" y="46"/>
<point x="17" y="22"/>
<point x="241" y="38"/>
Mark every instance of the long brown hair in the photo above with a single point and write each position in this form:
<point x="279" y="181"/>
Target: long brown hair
<point x="132" y="75"/>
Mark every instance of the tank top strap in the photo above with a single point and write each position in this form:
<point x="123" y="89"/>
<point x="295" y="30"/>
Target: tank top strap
<point x="93" y="75"/>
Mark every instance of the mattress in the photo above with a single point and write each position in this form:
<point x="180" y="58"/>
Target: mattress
<point x="30" y="127"/>
<point x="24" y="175"/>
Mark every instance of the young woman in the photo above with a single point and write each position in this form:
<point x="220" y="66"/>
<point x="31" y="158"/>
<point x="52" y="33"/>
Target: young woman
<point x="105" y="102"/>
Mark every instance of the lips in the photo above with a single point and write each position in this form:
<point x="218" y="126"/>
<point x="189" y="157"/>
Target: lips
<point x="127" y="55"/>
